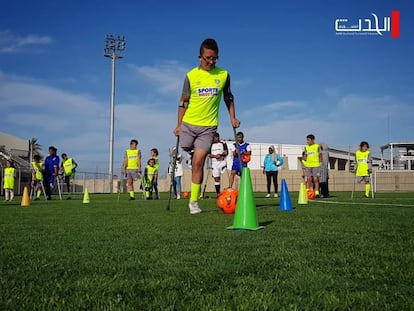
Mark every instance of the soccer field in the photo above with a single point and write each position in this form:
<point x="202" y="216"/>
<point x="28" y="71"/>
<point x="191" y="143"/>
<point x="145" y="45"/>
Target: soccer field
<point x="331" y="254"/>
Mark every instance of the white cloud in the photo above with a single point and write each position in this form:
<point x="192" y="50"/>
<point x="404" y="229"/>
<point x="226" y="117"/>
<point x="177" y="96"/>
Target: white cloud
<point x="168" y="77"/>
<point x="13" y="43"/>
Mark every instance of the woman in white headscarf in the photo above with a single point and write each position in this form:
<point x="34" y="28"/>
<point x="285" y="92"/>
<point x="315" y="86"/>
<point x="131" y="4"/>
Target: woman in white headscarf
<point x="271" y="164"/>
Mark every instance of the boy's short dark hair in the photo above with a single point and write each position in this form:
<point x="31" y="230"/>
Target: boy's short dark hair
<point x="36" y="157"/>
<point x="240" y="133"/>
<point x="216" y="135"/>
<point x="53" y="148"/>
<point x="209" y="44"/>
<point x="311" y="136"/>
<point x="363" y="143"/>
<point x="149" y="160"/>
<point x="134" y="141"/>
<point x="155" y="150"/>
<point x="64" y="155"/>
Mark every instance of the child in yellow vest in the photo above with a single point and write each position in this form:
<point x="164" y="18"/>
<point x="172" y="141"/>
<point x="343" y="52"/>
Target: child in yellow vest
<point x="363" y="161"/>
<point x="37" y="175"/>
<point x="8" y="181"/>
<point x="150" y="174"/>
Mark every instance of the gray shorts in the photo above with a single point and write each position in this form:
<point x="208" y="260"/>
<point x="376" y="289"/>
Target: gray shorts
<point x="196" y="137"/>
<point x="312" y="171"/>
<point x="364" y="179"/>
<point x="133" y="174"/>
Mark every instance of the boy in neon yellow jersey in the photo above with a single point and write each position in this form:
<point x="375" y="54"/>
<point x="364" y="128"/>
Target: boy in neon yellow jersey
<point x="131" y="167"/>
<point x="312" y="161"/>
<point x="363" y="161"/>
<point x="198" y="112"/>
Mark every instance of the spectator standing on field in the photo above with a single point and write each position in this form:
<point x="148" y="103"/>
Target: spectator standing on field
<point x="271" y="164"/>
<point x="324" y="178"/>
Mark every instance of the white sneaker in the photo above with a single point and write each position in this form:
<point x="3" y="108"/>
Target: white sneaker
<point x="275" y="195"/>
<point x="267" y="195"/>
<point x="194" y="208"/>
<point x="178" y="197"/>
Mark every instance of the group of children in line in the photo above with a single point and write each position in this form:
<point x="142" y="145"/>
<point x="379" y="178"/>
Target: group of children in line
<point x="44" y="174"/>
<point x="315" y="162"/>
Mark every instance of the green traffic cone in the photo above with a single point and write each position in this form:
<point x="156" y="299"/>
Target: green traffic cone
<point x="245" y="217"/>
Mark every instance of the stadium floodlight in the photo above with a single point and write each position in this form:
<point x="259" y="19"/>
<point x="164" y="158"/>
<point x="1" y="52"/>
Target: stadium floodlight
<point x="114" y="48"/>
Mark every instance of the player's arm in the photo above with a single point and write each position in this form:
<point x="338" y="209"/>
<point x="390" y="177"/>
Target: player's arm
<point x="124" y="163"/>
<point x="229" y="100"/>
<point x="320" y="154"/>
<point x="369" y="163"/>
<point x="225" y="150"/>
<point x="182" y="106"/>
<point x="248" y="150"/>
<point x="139" y="162"/>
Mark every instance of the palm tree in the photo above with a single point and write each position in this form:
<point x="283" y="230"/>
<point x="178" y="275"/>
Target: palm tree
<point x="34" y="147"/>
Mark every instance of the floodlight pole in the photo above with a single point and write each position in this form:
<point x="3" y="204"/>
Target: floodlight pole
<point x="114" y="46"/>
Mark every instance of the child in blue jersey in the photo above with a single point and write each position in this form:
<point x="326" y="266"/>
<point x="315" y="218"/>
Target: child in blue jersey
<point x="50" y="171"/>
<point x="245" y="152"/>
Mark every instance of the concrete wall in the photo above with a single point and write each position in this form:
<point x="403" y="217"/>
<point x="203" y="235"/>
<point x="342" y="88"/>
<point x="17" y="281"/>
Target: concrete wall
<point x="338" y="181"/>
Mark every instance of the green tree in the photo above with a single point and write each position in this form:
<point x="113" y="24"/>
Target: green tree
<point x="34" y="146"/>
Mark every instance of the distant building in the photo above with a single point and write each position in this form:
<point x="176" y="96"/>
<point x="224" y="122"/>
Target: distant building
<point x="339" y="160"/>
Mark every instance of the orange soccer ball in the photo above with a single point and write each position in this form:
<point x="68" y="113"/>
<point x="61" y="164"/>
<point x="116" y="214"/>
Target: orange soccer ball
<point x="246" y="158"/>
<point x="186" y="194"/>
<point x="227" y="200"/>
<point x="311" y="194"/>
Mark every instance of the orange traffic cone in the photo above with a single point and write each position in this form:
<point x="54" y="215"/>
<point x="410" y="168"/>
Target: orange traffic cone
<point x="86" y="196"/>
<point x="25" y="199"/>
<point x="245" y="217"/>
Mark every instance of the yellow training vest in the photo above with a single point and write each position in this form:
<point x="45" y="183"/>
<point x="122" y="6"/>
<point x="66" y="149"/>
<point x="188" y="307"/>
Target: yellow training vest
<point x="68" y="166"/>
<point x="206" y="89"/>
<point x="37" y="166"/>
<point x="312" y="159"/>
<point x="151" y="170"/>
<point x="8" y="181"/>
<point x="132" y="155"/>
<point x="361" y="158"/>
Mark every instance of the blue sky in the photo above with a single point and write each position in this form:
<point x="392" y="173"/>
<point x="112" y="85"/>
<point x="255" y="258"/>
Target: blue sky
<point x="291" y="73"/>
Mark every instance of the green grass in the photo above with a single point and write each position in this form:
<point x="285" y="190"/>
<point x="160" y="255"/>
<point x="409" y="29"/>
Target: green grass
<point x="110" y="255"/>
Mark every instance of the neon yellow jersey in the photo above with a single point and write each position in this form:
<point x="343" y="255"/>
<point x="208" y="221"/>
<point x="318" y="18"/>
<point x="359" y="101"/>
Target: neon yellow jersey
<point x="8" y="180"/>
<point x="150" y="172"/>
<point x="361" y="158"/>
<point x="312" y="159"/>
<point x="133" y="158"/>
<point x="206" y="89"/>
<point x="68" y="166"/>
<point x="37" y="166"/>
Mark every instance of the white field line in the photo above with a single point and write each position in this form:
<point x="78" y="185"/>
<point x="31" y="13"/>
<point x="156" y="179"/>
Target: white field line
<point x="362" y="203"/>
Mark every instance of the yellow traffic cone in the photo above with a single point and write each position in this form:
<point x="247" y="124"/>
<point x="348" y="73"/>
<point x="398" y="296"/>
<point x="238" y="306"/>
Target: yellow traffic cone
<point x="303" y="197"/>
<point x="25" y="199"/>
<point x="86" y="196"/>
